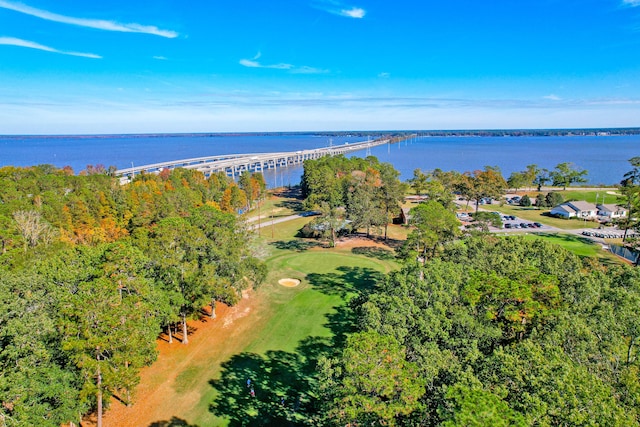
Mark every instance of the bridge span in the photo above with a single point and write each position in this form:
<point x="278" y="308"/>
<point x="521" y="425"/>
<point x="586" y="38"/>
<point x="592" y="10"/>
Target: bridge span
<point x="235" y="164"/>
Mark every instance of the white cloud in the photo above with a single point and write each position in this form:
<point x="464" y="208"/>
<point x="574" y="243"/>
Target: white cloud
<point x="632" y="3"/>
<point x="252" y="63"/>
<point x="255" y="64"/>
<point x="384" y="75"/>
<point x="308" y="70"/>
<point x="354" y="12"/>
<point x="338" y="8"/>
<point x="12" y="41"/>
<point x="89" y="23"/>
<point x="552" y="97"/>
<point x="160" y="58"/>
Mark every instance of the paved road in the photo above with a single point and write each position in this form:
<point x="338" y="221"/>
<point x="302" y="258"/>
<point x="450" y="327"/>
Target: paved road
<point x="266" y="220"/>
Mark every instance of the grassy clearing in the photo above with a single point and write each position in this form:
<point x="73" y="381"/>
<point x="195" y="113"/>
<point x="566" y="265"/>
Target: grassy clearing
<point x="591" y="196"/>
<point x="297" y="326"/>
<point x="278" y="205"/>
<point x="578" y="245"/>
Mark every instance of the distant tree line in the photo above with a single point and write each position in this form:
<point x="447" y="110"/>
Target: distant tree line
<point x="91" y="272"/>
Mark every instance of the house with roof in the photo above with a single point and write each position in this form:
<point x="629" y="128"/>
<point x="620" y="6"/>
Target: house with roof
<point x="577" y="209"/>
<point x="610" y="211"/>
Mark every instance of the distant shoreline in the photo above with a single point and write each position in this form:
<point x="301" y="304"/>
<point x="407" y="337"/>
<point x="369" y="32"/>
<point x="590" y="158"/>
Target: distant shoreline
<point x="436" y="133"/>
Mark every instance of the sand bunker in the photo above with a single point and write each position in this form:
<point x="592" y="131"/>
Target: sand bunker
<point x="289" y="283"/>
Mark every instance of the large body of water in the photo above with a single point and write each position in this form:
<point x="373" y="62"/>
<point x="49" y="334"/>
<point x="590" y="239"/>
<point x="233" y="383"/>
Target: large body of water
<point x="604" y="157"/>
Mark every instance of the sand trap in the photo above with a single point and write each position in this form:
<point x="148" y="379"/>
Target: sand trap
<point x="289" y="283"/>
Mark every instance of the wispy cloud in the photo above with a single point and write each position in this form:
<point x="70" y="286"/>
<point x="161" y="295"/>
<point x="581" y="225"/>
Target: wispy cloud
<point x="308" y="70"/>
<point x="12" y="41"/>
<point x="338" y="8"/>
<point x="384" y="75"/>
<point x="552" y="97"/>
<point x="253" y="63"/>
<point x="89" y="23"/>
<point x="632" y="3"/>
<point x="160" y="58"/>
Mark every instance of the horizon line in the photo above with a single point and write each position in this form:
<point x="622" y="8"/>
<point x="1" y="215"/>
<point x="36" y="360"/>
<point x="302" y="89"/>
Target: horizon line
<point x="635" y="129"/>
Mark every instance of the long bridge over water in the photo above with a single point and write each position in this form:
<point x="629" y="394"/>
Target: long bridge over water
<point x="235" y="164"/>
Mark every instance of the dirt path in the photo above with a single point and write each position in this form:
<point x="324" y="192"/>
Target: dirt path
<point x="175" y="383"/>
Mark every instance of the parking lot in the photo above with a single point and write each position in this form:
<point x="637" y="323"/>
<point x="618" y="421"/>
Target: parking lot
<point x="510" y="222"/>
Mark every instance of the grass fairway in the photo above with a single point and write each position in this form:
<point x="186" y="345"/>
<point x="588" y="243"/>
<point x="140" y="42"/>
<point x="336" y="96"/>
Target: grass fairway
<point x="297" y="325"/>
<point x="578" y="245"/>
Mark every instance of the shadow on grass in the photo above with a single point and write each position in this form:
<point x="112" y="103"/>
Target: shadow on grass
<point x="296" y="245"/>
<point x="294" y="205"/>
<point x="346" y="281"/>
<point x="284" y="386"/>
<point x="373" y="252"/>
<point x="173" y="422"/>
<point x="294" y="192"/>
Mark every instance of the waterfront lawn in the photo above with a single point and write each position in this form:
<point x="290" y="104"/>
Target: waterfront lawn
<point x="580" y="246"/>
<point x="590" y="196"/>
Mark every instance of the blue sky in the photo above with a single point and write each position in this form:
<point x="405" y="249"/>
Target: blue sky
<point x="144" y="66"/>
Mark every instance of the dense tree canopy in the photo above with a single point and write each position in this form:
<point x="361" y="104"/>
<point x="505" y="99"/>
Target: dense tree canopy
<point x="91" y="271"/>
<point x="363" y="193"/>
<point x="501" y="331"/>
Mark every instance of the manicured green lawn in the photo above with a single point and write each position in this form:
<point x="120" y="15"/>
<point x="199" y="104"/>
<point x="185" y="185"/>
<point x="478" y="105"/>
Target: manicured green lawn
<point x="591" y="196"/>
<point x="578" y="245"/>
<point x="297" y="326"/>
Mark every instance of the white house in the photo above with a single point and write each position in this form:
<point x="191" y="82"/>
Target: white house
<point x="611" y="211"/>
<point x="579" y="209"/>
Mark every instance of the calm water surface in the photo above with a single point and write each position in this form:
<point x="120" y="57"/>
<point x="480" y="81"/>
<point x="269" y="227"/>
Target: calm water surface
<point x="605" y="157"/>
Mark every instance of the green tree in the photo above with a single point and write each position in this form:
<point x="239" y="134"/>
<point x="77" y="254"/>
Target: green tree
<point x="553" y="198"/>
<point x="175" y="250"/>
<point x="419" y="182"/>
<point x="432" y="225"/>
<point x="541" y="201"/>
<point x="525" y="201"/>
<point x="541" y="178"/>
<point x="363" y="200"/>
<point x="630" y="199"/>
<point x="484" y="183"/>
<point x="37" y="386"/>
<point x="329" y="222"/>
<point x="517" y="180"/>
<point x="392" y="192"/>
<point x="244" y="182"/>
<point x="107" y="323"/>
<point x="483" y="220"/>
<point x="377" y="384"/>
<point x="473" y="406"/>
<point x="566" y="174"/>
